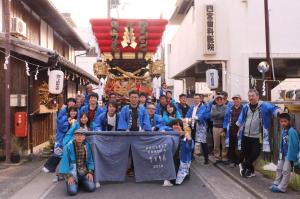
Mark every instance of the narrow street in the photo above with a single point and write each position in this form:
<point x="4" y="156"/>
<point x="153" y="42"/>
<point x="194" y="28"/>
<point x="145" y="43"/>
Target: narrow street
<point x="205" y="182"/>
<point x="190" y="98"/>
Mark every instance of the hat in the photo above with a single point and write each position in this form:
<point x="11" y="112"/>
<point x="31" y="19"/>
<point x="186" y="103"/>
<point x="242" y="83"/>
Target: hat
<point x="219" y="96"/>
<point x="237" y="96"/>
<point x="224" y="93"/>
<point x="79" y="132"/>
<point x="285" y="116"/>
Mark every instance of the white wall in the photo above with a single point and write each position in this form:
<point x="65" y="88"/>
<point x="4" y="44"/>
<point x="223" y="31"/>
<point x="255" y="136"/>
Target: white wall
<point x="44" y="34"/>
<point x="240" y="35"/>
<point x="50" y="38"/>
<point x="86" y="63"/>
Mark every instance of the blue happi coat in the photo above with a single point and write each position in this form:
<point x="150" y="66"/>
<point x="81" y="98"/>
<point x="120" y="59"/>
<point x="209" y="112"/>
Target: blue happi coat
<point x="158" y="122"/>
<point x="201" y="122"/>
<point x="144" y="122"/>
<point x="70" y="134"/>
<point x="62" y="129"/>
<point x="166" y="118"/>
<point x="159" y="109"/>
<point x="103" y="121"/>
<point x="293" y="145"/>
<point x="266" y="110"/>
<point x="95" y="124"/>
<point x="86" y="99"/>
<point x="226" y="125"/>
<point x="68" y="161"/>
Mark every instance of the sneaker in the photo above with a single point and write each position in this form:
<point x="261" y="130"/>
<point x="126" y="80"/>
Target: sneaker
<point x="248" y="174"/>
<point x="167" y="183"/>
<point x="253" y="175"/>
<point x="45" y="170"/>
<point x="276" y="190"/>
<point x="206" y="162"/>
<point x="273" y="185"/>
<point x="98" y="185"/>
<point x="55" y="179"/>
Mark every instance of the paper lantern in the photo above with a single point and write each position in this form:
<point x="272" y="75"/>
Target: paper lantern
<point x="56" y="81"/>
<point x="212" y="78"/>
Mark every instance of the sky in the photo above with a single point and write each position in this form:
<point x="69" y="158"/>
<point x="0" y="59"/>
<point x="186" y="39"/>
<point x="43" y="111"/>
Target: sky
<point x="82" y="11"/>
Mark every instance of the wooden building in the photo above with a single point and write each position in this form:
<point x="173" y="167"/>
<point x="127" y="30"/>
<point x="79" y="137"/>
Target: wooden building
<point x="41" y="33"/>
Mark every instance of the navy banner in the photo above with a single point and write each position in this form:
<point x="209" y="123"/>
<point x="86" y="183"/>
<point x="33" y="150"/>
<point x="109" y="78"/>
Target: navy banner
<point x="152" y="155"/>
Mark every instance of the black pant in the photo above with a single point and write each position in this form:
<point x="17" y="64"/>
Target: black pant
<point x="193" y="135"/>
<point x="232" y="153"/>
<point x="204" y="151"/>
<point x="52" y="163"/>
<point x="250" y="152"/>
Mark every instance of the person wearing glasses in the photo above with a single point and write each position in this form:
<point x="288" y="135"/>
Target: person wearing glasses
<point x="156" y="120"/>
<point x="134" y="117"/>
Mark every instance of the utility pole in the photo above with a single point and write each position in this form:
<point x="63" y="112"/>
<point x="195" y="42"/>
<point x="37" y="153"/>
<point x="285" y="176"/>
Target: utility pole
<point x="269" y="75"/>
<point x="7" y="128"/>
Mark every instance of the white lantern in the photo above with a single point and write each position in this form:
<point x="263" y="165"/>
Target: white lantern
<point x="212" y="78"/>
<point x="56" y="81"/>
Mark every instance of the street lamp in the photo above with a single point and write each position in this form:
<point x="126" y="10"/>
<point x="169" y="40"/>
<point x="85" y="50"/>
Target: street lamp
<point x="263" y="67"/>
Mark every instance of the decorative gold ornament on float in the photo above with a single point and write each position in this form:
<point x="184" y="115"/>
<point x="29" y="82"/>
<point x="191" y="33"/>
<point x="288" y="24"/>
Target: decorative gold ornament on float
<point x="157" y="68"/>
<point x="101" y="69"/>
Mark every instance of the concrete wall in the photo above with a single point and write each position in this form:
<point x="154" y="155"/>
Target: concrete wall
<point x="240" y="35"/>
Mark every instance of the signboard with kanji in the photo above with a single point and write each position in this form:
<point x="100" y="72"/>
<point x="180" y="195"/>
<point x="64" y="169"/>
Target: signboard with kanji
<point x="210" y="29"/>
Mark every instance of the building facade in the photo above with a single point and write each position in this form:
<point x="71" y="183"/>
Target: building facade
<point x="229" y="35"/>
<point x="42" y="41"/>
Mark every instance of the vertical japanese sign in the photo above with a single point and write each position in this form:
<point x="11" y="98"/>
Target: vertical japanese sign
<point x="210" y="29"/>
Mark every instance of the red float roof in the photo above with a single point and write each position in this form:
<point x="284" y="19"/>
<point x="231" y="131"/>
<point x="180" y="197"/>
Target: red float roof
<point x="154" y="30"/>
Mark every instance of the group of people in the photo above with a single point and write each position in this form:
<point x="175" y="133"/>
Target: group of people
<point x="234" y="127"/>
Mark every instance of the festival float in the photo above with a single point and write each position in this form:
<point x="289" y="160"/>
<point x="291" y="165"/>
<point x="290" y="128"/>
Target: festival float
<point x="127" y="48"/>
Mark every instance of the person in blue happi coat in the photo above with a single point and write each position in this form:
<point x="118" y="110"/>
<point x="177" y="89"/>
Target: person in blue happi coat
<point x="182" y="105"/>
<point x="170" y="98"/>
<point x="183" y="154"/>
<point x="156" y="120"/>
<point x="134" y="117"/>
<point x="110" y="118"/>
<point x="197" y="119"/>
<point x="93" y="111"/>
<point x="88" y="91"/>
<point x="161" y="106"/>
<point x="77" y="165"/>
<point x="163" y="89"/>
<point x="254" y="123"/>
<point x="288" y="150"/>
<point x="171" y="114"/>
<point x="63" y="124"/>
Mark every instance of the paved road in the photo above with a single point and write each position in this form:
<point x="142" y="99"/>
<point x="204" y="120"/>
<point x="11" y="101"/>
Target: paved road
<point x="206" y="182"/>
<point x="192" y="189"/>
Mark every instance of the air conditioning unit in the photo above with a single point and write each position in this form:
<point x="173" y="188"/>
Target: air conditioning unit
<point x="18" y="27"/>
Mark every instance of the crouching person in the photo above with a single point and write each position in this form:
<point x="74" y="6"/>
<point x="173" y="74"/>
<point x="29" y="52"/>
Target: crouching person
<point x="77" y="165"/>
<point x="289" y="148"/>
<point x="183" y="155"/>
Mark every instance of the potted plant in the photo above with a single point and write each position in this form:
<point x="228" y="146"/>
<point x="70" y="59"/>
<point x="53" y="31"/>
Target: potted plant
<point x="15" y="156"/>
